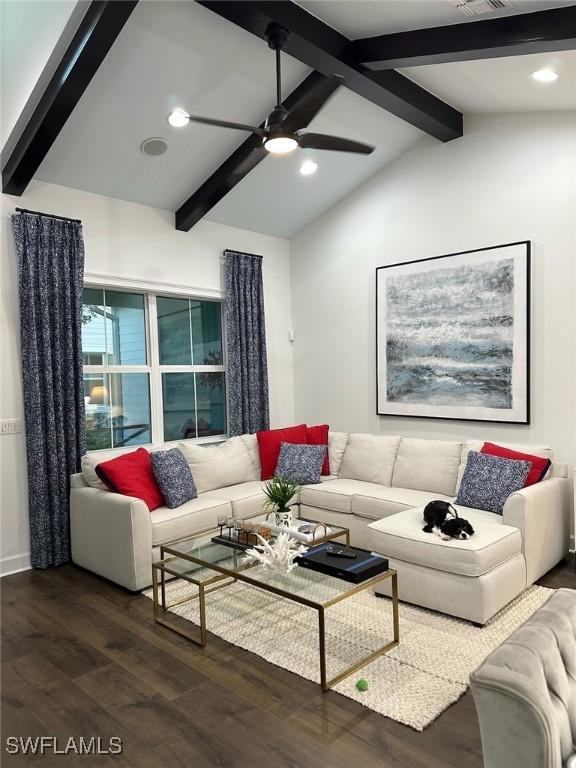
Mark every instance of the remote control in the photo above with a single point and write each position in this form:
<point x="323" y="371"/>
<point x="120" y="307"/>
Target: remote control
<point x="333" y="552"/>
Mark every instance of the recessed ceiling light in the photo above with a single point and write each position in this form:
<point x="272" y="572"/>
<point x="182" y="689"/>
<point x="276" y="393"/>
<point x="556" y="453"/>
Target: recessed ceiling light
<point x="308" y="167"/>
<point x="545" y="75"/>
<point x="178" y="118"/>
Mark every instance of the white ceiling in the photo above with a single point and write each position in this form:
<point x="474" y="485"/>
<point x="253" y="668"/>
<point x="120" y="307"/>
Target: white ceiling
<point x="174" y="53"/>
<point x="502" y="85"/>
<point x="179" y="54"/>
<point x="367" y="18"/>
<point x="277" y="200"/>
<point x="486" y="85"/>
<point x="169" y="54"/>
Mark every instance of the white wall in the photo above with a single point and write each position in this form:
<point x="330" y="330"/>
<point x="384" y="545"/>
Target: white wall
<point x="131" y="241"/>
<point x="510" y="178"/>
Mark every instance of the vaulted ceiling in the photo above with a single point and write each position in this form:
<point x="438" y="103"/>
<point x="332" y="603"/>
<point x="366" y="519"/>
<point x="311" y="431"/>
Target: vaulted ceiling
<point x="209" y="59"/>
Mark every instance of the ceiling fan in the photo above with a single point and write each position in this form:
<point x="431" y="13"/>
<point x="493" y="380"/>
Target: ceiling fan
<point x="277" y="136"/>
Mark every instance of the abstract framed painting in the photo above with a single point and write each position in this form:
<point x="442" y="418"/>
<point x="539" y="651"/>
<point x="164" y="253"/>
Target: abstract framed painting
<point x="453" y="336"/>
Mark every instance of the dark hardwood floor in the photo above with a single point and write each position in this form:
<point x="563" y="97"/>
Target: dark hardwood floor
<point x="81" y="657"/>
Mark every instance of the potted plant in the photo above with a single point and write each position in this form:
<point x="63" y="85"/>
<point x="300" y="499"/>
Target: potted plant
<point x="279" y="493"/>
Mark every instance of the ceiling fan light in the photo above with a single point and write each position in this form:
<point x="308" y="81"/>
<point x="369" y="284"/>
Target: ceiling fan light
<point x="281" y="144"/>
<point x="178" y="118"/>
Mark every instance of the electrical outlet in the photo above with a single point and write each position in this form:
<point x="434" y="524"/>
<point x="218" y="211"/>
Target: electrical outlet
<point x="10" y="426"/>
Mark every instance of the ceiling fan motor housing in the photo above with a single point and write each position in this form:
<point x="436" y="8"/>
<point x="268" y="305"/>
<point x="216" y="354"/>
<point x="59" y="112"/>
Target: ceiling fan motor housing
<point x="276" y="118"/>
<point x="276" y="36"/>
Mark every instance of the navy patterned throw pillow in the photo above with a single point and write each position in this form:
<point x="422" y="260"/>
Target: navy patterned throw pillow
<point x="173" y="476"/>
<point x="489" y="480"/>
<point x="301" y="464"/>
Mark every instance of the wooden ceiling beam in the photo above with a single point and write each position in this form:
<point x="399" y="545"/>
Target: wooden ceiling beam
<point x="325" y="50"/>
<point x="96" y="33"/>
<point x="517" y="35"/>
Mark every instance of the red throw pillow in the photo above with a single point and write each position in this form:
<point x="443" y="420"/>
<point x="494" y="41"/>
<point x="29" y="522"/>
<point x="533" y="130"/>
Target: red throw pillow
<point x="131" y="475"/>
<point x="269" y="443"/>
<point x="540" y="465"/>
<point x="318" y="435"/>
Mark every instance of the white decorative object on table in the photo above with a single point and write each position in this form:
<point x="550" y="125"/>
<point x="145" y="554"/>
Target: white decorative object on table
<point x="279" y="555"/>
<point x="318" y="530"/>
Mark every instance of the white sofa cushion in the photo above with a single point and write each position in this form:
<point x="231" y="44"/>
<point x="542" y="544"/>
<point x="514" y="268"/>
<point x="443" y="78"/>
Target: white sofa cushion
<point x="370" y="458"/>
<point x="427" y="465"/>
<point x="219" y="465"/>
<point x="337" y="442"/>
<point x="251" y="443"/>
<point x="247" y="499"/>
<point x="192" y="517"/>
<point x="401" y="537"/>
<point x="335" y="495"/>
<point x="380" y="501"/>
<point x="476" y="445"/>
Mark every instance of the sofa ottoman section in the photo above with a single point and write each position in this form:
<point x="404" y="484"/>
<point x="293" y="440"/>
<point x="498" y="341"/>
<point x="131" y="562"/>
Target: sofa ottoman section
<point x="471" y="579"/>
<point x="476" y="599"/>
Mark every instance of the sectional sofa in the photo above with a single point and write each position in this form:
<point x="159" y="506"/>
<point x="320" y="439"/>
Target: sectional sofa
<point x="377" y="488"/>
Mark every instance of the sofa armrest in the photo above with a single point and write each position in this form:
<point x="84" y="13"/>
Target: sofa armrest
<point x="78" y="480"/>
<point x="111" y="535"/>
<point x="541" y="512"/>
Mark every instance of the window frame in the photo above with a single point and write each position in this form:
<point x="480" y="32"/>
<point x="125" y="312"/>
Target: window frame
<point x="151" y="291"/>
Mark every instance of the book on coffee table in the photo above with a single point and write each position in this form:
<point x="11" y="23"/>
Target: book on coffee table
<point x="364" y="564"/>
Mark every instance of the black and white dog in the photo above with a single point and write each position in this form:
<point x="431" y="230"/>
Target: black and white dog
<point x="442" y="519"/>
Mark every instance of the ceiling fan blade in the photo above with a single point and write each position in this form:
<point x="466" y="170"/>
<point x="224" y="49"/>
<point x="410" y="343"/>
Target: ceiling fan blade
<point x="309" y="105"/>
<point x="321" y="141"/>
<point x="227" y="124"/>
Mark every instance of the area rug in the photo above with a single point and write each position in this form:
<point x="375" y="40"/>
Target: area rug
<point x="412" y="684"/>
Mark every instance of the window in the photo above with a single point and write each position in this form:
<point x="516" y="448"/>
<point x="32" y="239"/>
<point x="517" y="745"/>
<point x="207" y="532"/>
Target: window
<point x="153" y="368"/>
<point x="191" y="364"/>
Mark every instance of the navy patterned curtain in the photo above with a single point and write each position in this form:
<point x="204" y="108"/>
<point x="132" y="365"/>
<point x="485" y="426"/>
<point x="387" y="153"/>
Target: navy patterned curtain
<point x="51" y="269"/>
<point x="247" y="372"/>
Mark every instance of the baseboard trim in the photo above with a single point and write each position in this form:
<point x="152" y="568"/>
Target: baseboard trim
<point x="15" y="564"/>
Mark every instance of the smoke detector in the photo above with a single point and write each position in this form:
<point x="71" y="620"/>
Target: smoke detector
<point x="154" y="146"/>
<point x="479" y="7"/>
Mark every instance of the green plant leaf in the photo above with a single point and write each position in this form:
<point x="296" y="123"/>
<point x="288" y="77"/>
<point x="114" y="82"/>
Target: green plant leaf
<point x="279" y="492"/>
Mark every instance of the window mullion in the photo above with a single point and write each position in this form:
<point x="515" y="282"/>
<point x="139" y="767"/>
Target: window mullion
<point x="195" y="407"/>
<point x="105" y="358"/>
<point x="191" y="338"/>
<point x="157" y="414"/>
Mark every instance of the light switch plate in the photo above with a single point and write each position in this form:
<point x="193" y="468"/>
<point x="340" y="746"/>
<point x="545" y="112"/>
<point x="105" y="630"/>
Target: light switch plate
<point x="10" y="426"/>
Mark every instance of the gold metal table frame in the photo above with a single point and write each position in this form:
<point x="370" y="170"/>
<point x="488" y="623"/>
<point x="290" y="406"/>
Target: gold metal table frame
<point x="226" y="576"/>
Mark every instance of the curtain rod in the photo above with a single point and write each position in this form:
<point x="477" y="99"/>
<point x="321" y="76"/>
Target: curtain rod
<point x="243" y="253"/>
<point x="48" y="215"/>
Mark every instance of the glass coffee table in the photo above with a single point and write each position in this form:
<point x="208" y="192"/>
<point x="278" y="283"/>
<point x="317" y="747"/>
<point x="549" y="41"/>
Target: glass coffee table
<point x="210" y="566"/>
